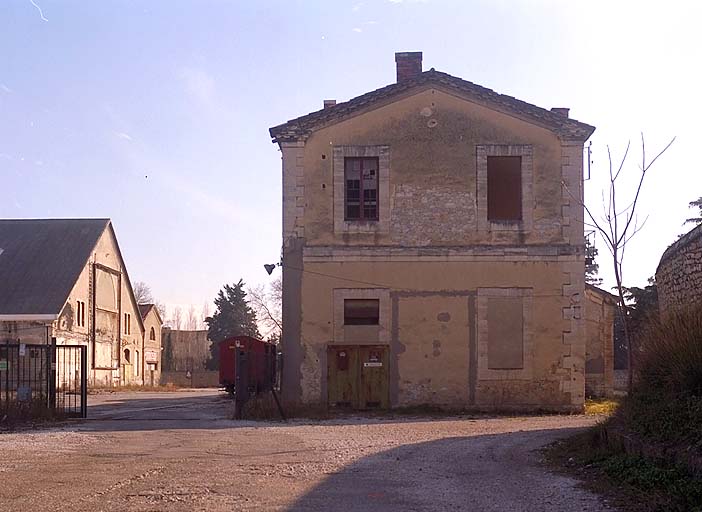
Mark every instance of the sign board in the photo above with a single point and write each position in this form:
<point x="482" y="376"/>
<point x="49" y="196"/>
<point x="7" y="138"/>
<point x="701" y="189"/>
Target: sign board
<point x="22" y="349"/>
<point x="3" y="365"/>
<point x="373" y="365"/>
<point x="151" y="356"/>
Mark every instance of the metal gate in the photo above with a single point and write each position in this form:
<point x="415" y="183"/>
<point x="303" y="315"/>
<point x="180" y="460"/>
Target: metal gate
<point x="35" y="379"/>
<point x="69" y="395"/>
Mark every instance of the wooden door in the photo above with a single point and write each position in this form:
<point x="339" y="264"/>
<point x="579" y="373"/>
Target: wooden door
<point x="342" y="376"/>
<point x="373" y="364"/>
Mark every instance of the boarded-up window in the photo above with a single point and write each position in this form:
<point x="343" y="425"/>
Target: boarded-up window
<point x="360" y="188"/>
<point x="504" y="176"/>
<point x="505" y="318"/>
<point x="106" y="293"/>
<point x="361" y="311"/>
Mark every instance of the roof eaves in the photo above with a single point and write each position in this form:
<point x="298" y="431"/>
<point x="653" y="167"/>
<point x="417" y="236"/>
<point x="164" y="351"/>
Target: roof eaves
<point x="300" y="128"/>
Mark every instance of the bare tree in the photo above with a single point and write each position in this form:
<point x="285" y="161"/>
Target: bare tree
<point x="142" y="293"/>
<point x="177" y="318"/>
<point x="192" y="322"/>
<point x="204" y="315"/>
<point x="618" y="225"/>
<point x="161" y="308"/>
<point x="267" y="304"/>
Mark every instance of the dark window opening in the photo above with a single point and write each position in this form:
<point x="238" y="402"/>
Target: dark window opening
<point x="504" y="177"/>
<point x="361" y="188"/>
<point x="152" y="334"/>
<point x="361" y="312"/>
<point x="80" y="313"/>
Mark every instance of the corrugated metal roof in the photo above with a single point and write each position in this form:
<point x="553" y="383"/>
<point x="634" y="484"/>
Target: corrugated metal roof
<point x="40" y="261"/>
<point x="300" y="128"/>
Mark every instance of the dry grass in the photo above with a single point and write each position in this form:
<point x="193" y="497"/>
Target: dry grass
<point x="601" y="406"/>
<point x="168" y="388"/>
<point x="666" y="402"/>
<point x="28" y="414"/>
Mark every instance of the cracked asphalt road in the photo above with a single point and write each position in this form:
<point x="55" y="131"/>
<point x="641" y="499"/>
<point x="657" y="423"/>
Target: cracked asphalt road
<point x="180" y="452"/>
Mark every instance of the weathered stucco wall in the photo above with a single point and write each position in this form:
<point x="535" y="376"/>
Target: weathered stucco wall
<point x="433" y="178"/>
<point x="599" y="351"/>
<point x="679" y="273"/>
<point x="436" y="337"/>
<point x="152" y="349"/>
<point x="438" y="258"/>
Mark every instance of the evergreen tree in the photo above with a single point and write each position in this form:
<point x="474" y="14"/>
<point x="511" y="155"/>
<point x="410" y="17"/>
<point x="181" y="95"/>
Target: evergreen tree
<point x="591" y="266"/>
<point x="697" y="203"/>
<point x="233" y="317"/>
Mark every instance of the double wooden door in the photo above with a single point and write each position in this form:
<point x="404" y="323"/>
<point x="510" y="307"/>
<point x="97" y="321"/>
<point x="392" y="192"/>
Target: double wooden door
<point x="357" y="376"/>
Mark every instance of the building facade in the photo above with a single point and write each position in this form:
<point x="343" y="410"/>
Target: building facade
<point x="600" y="307"/>
<point x="66" y="279"/>
<point x="433" y="249"/>
<point x="152" y="343"/>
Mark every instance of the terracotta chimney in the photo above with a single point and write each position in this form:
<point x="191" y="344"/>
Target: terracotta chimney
<point x="563" y="111"/>
<point x="409" y="65"/>
<point x="329" y="103"/>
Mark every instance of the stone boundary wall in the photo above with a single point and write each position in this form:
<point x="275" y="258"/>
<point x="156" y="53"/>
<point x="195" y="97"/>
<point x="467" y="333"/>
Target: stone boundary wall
<point x="679" y="273"/>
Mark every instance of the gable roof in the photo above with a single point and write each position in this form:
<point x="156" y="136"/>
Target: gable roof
<point x="40" y="261"/>
<point x="145" y="309"/>
<point x="300" y="128"/>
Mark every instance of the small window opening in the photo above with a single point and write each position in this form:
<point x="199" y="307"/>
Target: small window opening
<point x="361" y="312"/>
<point x="80" y="313"/>
<point x="127" y="356"/>
<point x="504" y="176"/>
<point x="152" y="334"/>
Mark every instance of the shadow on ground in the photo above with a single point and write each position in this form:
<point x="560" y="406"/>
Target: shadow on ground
<point x="499" y="472"/>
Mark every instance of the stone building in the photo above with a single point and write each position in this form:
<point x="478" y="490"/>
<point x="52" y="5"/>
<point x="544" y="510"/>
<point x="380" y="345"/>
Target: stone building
<point x="66" y="278"/>
<point x="152" y="343"/>
<point x="431" y="254"/>
<point x="679" y="273"/>
<point x="599" y="345"/>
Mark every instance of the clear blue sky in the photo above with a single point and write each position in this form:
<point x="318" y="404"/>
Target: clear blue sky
<point x="156" y="114"/>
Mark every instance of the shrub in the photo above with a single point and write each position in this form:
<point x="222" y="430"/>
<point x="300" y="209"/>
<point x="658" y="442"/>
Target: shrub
<point x="666" y="402"/>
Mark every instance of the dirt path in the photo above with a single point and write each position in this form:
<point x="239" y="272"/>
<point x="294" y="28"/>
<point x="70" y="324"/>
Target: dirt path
<point x="179" y="452"/>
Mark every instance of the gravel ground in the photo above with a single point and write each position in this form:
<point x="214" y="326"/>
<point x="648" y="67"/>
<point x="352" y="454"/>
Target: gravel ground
<point x="179" y="452"/>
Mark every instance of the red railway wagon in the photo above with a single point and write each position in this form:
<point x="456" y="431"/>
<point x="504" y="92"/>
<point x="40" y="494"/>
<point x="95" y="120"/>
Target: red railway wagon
<point x="254" y="358"/>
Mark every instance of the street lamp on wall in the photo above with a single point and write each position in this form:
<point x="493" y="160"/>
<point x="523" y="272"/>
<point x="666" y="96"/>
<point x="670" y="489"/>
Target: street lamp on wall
<point x="270" y="267"/>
